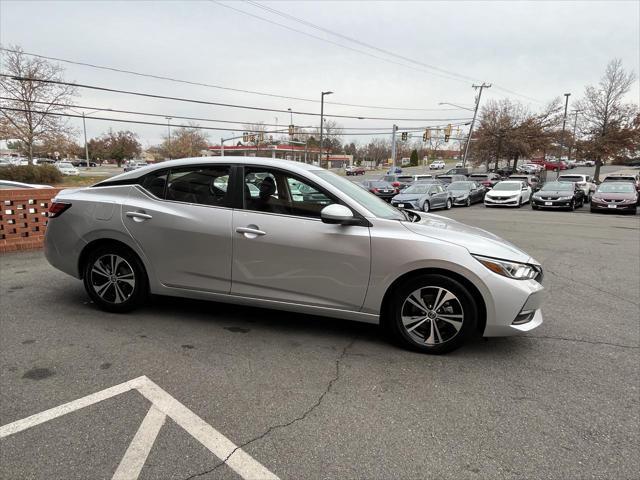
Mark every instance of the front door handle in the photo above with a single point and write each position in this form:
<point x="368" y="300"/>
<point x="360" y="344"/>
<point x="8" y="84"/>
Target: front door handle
<point x="138" y="216"/>
<point x="251" y="231"/>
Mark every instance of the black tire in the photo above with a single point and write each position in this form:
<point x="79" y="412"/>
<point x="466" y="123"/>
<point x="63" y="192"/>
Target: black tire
<point x="533" y="206"/>
<point x="428" y="285"/>
<point x="425" y="207"/>
<point x="572" y="206"/>
<point x="519" y="201"/>
<point x="449" y="204"/>
<point x="130" y="296"/>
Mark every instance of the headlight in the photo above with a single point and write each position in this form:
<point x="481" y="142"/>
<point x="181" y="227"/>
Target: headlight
<point x="565" y="198"/>
<point x="518" y="271"/>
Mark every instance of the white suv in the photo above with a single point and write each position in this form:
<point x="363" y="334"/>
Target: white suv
<point x="67" y="168"/>
<point x="585" y="182"/>
<point x="437" y="165"/>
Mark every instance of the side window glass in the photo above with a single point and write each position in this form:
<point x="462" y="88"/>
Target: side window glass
<point x="200" y="185"/>
<point x="306" y="201"/>
<point x="263" y="191"/>
<point x="155" y="182"/>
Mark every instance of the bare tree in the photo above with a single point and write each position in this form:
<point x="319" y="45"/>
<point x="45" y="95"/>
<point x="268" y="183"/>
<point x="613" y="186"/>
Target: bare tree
<point x="605" y="114"/>
<point x="185" y="142"/>
<point x="28" y="113"/>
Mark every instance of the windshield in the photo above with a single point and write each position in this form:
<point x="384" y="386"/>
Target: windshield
<point x="459" y="186"/>
<point x="560" y="186"/>
<point x="617" y="187"/>
<point x="420" y="188"/>
<point x="508" y="186"/>
<point x="570" y="178"/>
<point x="619" y="179"/>
<point x="378" y="207"/>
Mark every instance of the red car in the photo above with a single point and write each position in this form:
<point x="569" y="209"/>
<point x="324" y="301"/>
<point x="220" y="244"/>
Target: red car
<point x="355" y="170"/>
<point x="549" y="165"/>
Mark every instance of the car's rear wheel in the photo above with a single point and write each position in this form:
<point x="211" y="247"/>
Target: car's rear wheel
<point x="431" y="313"/>
<point x="534" y="206"/>
<point x="425" y="206"/>
<point x="449" y="204"/>
<point x="115" y="279"/>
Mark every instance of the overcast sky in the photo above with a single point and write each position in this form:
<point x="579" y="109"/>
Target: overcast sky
<point x="538" y="49"/>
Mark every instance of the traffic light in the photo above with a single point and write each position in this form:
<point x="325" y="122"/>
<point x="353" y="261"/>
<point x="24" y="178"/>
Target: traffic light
<point x="245" y="137"/>
<point x="404" y="136"/>
<point x="447" y="133"/>
<point x="426" y="136"/>
<point x="252" y="138"/>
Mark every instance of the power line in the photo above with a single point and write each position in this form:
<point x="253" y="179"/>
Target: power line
<point x="441" y="71"/>
<point x="71" y="106"/>
<point x="196" y="127"/>
<point x="219" y="104"/>
<point x="209" y="85"/>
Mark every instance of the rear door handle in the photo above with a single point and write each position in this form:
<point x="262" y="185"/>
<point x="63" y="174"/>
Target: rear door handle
<point x="250" y="232"/>
<point x="138" y="215"/>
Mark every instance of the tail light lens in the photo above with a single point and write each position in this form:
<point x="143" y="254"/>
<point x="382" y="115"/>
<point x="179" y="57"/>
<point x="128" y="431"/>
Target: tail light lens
<point x="396" y="184"/>
<point x="58" y="208"/>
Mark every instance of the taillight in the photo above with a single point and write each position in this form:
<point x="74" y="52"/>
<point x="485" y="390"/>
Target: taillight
<point x="58" y="208"/>
<point x="396" y="184"/>
<point x="374" y="190"/>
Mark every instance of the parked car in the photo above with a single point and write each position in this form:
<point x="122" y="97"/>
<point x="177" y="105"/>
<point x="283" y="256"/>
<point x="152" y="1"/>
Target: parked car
<point x="83" y="163"/>
<point x="457" y="171"/>
<point x="446" y="179"/>
<point x="529" y="168"/>
<point x="67" y="168"/>
<point x="355" y="170"/>
<point x="134" y="166"/>
<point x="624" y="177"/>
<point x="565" y="195"/>
<point x="508" y="193"/>
<point x="465" y="193"/>
<point x="398" y="181"/>
<point x="552" y="165"/>
<point x="381" y="189"/>
<point x="615" y="196"/>
<point x="487" y="180"/>
<point x="394" y="170"/>
<point x="437" y="165"/>
<point x="423" y="196"/>
<point x="585" y="182"/>
<point x="483" y="284"/>
<point x="531" y="180"/>
<point x="8" y="184"/>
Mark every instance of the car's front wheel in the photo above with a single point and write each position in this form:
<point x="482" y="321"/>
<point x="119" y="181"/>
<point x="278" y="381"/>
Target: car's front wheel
<point x="425" y="206"/>
<point x="115" y="279"/>
<point x="449" y="204"/>
<point x="431" y="313"/>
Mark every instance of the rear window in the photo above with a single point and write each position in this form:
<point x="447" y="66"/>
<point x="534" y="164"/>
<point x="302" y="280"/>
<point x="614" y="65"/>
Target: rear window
<point x="570" y="178"/>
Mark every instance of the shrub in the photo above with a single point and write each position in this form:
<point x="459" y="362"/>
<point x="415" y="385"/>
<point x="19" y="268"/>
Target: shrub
<point x="43" y="174"/>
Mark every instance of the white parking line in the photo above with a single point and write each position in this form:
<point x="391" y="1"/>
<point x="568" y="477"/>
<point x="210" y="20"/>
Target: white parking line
<point x="163" y="405"/>
<point x="140" y="447"/>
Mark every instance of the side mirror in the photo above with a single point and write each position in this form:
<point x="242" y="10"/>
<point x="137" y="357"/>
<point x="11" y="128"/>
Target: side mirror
<point x="338" y="215"/>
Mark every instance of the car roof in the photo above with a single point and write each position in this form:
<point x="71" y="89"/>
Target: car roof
<point x="185" y="162"/>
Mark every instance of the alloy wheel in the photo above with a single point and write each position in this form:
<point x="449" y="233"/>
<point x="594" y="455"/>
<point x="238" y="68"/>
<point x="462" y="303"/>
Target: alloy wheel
<point x="112" y="278"/>
<point x="425" y="207"/>
<point x="432" y="315"/>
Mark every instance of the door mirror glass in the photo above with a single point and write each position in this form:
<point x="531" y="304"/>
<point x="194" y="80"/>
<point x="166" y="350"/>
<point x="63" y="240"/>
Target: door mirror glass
<point x="337" y="214"/>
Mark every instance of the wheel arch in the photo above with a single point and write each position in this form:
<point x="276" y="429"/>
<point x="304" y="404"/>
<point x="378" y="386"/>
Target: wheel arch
<point x="385" y="312"/>
<point x="100" y="242"/>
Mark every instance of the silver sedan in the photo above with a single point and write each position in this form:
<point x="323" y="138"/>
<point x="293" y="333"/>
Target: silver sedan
<point x="290" y="236"/>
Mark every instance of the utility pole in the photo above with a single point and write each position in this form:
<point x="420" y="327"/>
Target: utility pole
<point x="564" y="123"/>
<point x="86" y="146"/>
<point x="475" y="114"/>
<point x="169" y="135"/>
<point x="575" y="124"/>
<point x="394" y="129"/>
<point x="221" y="147"/>
<point x="322" y="124"/>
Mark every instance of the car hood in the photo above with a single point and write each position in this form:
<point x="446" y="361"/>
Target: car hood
<point x="502" y="193"/>
<point x="554" y="193"/>
<point x="476" y="240"/>
<point x="407" y="197"/>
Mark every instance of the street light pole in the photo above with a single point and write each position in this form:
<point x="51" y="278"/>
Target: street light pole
<point x="169" y="135"/>
<point x="86" y="146"/>
<point x="475" y="114"/>
<point x="322" y="124"/>
<point x="575" y="124"/>
<point x="394" y="129"/>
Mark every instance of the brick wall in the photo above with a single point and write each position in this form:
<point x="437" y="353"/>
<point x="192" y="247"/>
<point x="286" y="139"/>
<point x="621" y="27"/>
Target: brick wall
<point x="23" y="219"/>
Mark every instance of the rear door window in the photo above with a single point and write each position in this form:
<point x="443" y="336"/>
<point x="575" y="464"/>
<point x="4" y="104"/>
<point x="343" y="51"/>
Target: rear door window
<point x="203" y="185"/>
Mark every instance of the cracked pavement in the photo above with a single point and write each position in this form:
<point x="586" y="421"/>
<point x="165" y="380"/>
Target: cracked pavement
<point x="310" y="397"/>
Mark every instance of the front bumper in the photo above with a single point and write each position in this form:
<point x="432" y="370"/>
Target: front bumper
<point x="511" y="202"/>
<point x="616" y="207"/>
<point x="411" y="204"/>
<point x="460" y="201"/>
<point x="551" y="203"/>
<point x="526" y="316"/>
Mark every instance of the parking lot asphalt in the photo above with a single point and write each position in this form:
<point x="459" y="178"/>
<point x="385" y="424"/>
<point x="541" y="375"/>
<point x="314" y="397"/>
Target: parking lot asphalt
<point x="311" y="397"/>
